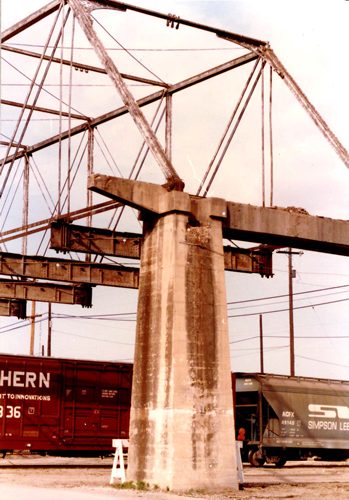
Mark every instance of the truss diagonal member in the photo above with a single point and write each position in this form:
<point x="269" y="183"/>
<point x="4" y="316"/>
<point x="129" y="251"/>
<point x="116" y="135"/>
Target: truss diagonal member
<point x="30" y="20"/>
<point x="84" y="18"/>
<point x="276" y="64"/>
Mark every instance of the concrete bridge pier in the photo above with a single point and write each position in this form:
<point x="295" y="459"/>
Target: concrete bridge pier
<point x="182" y="433"/>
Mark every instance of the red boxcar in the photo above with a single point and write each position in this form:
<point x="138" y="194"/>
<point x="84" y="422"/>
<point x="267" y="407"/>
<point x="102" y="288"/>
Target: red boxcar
<point x="63" y="406"/>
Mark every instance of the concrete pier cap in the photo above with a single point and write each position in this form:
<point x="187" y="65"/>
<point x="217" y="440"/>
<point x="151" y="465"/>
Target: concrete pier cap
<point x="155" y="198"/>
<point x="182" y="434"/>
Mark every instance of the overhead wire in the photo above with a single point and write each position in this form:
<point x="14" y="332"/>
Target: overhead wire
<point x="284" y="301"/>
<point x="287" y="309"/>
<point x="128" y="51"/>
<point x="139" y="49"/>
<point x="26" y="101"/>
<point x="286" y="294"/>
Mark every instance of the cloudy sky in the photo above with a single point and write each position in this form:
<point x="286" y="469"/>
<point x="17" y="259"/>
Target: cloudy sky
<point x="311" y="39"/>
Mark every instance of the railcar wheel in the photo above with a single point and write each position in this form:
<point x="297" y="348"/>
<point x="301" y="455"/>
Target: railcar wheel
<point x="256" y="458"/>
<point x="280" y="462"/>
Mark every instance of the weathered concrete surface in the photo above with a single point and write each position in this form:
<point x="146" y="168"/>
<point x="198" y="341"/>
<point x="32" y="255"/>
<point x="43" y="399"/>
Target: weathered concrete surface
<point x="143" y="196"/>
<point x="182" y="426"/>
<point x="182" y="431"/>
<point x="290" y="226"/>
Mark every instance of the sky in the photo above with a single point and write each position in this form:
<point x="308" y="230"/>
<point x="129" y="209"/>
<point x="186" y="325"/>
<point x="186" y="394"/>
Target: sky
<point x="310" y="38"/>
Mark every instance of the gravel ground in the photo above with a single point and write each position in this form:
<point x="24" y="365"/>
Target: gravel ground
<point x="307" y="492"/>
<point x="46" y="479"/>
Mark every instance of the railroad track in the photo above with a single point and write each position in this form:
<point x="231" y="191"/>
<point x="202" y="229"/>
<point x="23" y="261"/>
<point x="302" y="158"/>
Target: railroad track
<point x="32" y="462"/>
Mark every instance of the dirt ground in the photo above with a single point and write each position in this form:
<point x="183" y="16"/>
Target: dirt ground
<point x="307" y="492"/>
<point x="74" y="480"/>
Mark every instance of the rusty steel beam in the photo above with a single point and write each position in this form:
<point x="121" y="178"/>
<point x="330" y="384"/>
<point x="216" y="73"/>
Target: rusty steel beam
<point x="150" y="99"/>
<point x="13" y="307"/>
<point x="256" y="260"/>
<point x="286" y="227"/>
<point x="81" y="66"/>
<point x="43" y="110"/>
<point x="65" y="270"/>
<point x="31" y="20"/>
<point x="171" y="20"/>
<point x="44" y="224"/>
<point x="176" y="21"/>
<point x="67" y="237"/>
<point x="46" y="292"/>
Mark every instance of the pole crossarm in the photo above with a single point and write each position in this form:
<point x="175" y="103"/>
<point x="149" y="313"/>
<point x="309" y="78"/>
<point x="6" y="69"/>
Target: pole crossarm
<point x="68" y="270"/>
<point x="46" y="292"/>
<point x="286" y="227"/>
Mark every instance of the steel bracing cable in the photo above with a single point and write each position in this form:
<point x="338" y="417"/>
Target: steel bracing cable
<point x="128" y="51"/>
<point x="227" y="128"/>
<point x="271" y="136"/>
<point x="263" y="138"/>
<point x="242" y="112"/>
<point x="31" y="110"/>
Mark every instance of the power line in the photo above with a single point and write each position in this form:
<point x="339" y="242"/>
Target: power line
<point x="118" y="317"/>
<point x="284" y="301"/>
<point x="286" y="309"/>
<point x="317" y="337"/>
<point x="93" y="338"/>
<point x="322" y="361"/>
<point x="286" y="294"/>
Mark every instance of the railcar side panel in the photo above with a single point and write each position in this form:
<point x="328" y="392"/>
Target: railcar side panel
<point x="63" y="406"/>
<point x="292" y="417"/>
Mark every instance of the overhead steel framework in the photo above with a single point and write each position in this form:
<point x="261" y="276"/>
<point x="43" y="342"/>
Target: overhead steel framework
<point x="182" y="406"/>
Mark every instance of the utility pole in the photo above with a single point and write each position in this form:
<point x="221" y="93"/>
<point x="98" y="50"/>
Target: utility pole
<point x="291" y="275"/>
<point x="32" y="328"/>
<point x="261" y="353"/>
<point x="49" y="332"/>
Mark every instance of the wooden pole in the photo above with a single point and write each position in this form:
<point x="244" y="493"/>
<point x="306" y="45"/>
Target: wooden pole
<point x="261" y="343"/>
<point x="32" y="328"/>
<point x="49" y="332"/>
<point x="290" y="295"/>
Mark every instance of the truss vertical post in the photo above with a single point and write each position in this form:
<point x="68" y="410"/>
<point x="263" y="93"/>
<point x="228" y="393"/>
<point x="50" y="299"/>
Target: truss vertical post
<point x="168" y="147"/>
<point x="25" y="201"/>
